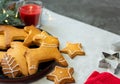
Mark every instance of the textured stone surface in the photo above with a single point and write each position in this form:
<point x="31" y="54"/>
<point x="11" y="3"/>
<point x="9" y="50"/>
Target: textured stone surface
<point x="101" y="13"/>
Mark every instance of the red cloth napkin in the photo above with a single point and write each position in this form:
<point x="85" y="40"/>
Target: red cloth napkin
<point x="102" y="78"/>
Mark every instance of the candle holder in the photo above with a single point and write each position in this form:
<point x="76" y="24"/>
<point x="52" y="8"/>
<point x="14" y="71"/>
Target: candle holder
<point x="30" y="12"/>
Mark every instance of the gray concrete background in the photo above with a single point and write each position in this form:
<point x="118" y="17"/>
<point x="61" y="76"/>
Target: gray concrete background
<point x="101" y="13"/>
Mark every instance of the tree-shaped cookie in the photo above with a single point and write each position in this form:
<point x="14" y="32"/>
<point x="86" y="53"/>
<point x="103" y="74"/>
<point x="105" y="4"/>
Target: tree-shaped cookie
<point x="61" y="75"/>
<point x="73" y="49"/>
<point x="10" y="67"/>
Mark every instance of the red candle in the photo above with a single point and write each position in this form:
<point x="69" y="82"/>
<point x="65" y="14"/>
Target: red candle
<point x="30" y="14"/>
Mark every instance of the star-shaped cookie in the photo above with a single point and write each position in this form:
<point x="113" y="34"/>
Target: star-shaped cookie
<point x="73" y="49"/>
<point x="61" y="75"/>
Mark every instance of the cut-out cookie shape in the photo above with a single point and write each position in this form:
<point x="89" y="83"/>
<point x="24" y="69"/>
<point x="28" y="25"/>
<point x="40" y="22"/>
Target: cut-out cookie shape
<point x="32" y="31"/>
<point x="104" y="64"/>
<point x="39" y="38"/>
<point x="2" y="42"/>
<point x="12" y="33"/>
<point x="44" y="36"/>
<point x="111" y="56"/>
<point x="10" y="67"/>
<point x="47" y="51"/>
<point x="18" y="51"/>
<point x="2" y="53"/>
<point x="73" y="49"/>
<point x="61" y="75"/>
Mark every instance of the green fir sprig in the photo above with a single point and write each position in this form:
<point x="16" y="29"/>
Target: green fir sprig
<point x="9" y="13"/>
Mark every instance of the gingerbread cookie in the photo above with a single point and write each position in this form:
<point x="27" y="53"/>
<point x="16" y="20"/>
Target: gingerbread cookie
<point x="2" y="42"/>
<point x="2" y="53"/>
<point x="12" y="33"/>
<point x="47" y="51"/>
<point x="73" y="49"/>
<point x="10" y="67"/>
<point x="61" y="75"/>
<point x="17" y="51"/>
<point x="44" y="36"/>
<point x="32" y="31"/>
<point x="38" y="37"/>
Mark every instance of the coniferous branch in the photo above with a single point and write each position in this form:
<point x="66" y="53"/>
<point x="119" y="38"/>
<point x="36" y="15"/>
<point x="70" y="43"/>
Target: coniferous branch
<point x="9" y="13"/>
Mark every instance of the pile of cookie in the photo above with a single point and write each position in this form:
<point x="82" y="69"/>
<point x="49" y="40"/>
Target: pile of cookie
<point x="18" y="59"/>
